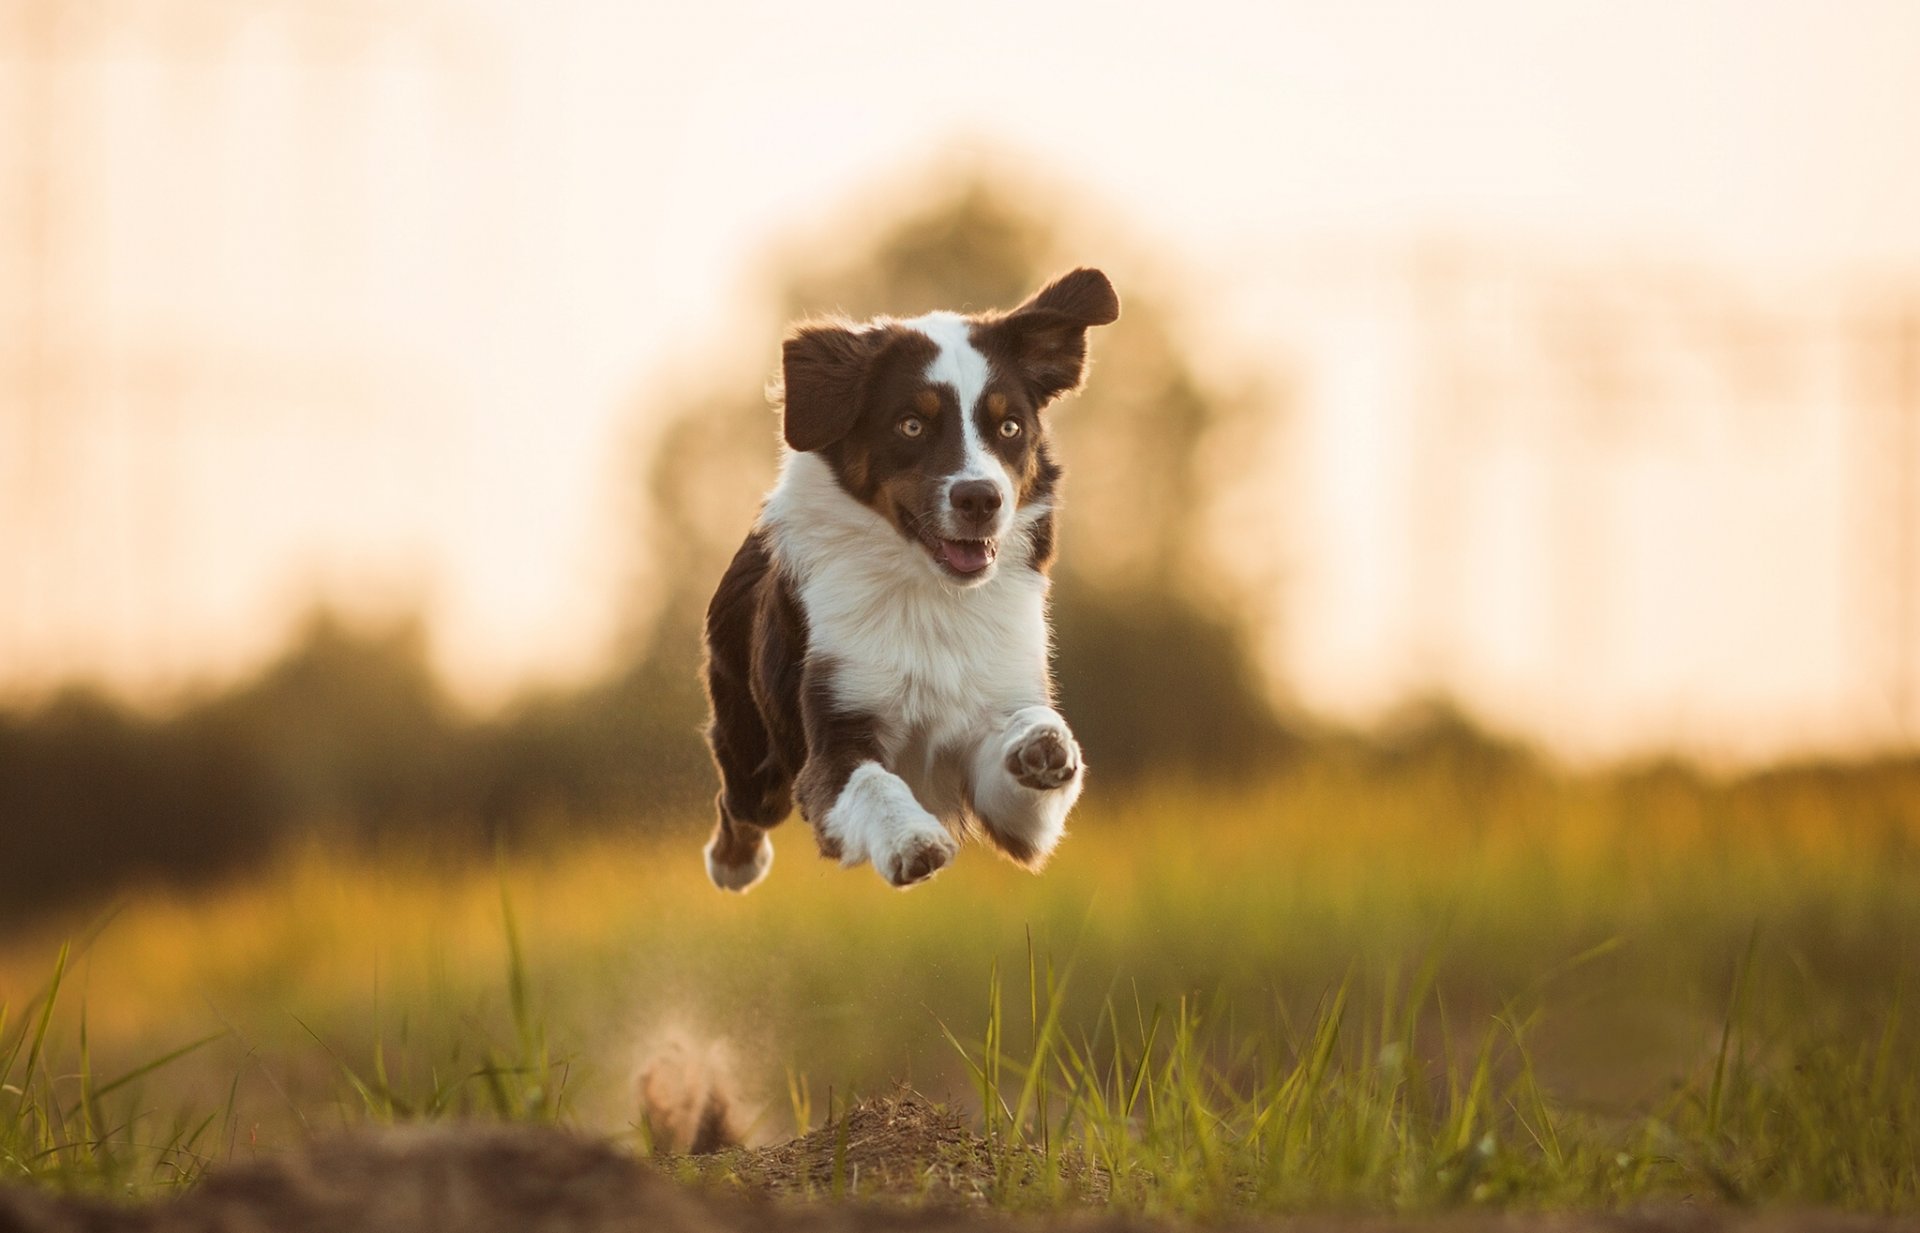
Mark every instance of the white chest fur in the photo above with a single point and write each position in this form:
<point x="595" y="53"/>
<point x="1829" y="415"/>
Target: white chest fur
<point x="934" y="665"/>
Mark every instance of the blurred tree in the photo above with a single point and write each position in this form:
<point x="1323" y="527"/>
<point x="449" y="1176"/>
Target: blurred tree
<point x="93" y="796"/>
<point x="625" y="747"/>
<point x="350" y="726"/>
<point x="1154" y="666"/>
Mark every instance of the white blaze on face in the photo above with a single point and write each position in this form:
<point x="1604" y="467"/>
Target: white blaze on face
<point x="960" y="366"/>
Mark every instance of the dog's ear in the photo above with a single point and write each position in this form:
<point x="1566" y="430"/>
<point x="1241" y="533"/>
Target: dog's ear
<point x="1047" y="335"/>
<point x="824" y="369"/>
<point x="1083" y="295"/>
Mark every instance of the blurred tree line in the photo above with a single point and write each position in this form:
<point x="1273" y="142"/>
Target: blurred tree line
<point x="350" y="738"/>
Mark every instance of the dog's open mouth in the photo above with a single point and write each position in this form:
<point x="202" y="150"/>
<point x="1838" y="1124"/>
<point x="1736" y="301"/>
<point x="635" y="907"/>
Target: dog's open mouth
<point x="963" y="558"/>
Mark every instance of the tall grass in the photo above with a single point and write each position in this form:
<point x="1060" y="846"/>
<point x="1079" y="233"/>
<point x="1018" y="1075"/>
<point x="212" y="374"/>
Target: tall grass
<point x="70" y="1129"/>
<point x="1200" y="1108"/>
<point x="515" y="1079"/>
<point x="73" y="1129"/>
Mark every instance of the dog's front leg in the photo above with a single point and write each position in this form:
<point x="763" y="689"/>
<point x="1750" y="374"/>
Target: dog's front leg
<point x="875" y="817"/>
<point x="1026" y="778"/>
<point x="860" y="810"/>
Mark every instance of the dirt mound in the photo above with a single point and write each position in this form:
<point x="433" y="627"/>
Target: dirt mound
<point x="901" y="1145"/>
<point x="456" y="1179"/>
<point x="479" y="1179"/>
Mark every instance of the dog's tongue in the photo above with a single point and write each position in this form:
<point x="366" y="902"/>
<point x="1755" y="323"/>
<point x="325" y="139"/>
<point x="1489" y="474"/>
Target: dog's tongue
<point x="965" y="556"/>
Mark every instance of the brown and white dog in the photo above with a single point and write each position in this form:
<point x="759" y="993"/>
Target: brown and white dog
<point x="878" y="649"/>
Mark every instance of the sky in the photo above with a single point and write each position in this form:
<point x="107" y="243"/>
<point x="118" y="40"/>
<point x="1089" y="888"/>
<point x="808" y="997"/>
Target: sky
<point x="492" y="243"/>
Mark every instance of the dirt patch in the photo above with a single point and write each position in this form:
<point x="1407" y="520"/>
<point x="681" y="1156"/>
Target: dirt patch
<point x="902" y="1146"/>
<point x="526" y="1179"/>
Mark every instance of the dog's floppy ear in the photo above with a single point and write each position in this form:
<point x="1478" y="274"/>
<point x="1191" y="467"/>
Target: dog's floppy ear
<point x="1048" y="334"/>
<point x="824" y="369"/>
<point x="1083" y="295"/>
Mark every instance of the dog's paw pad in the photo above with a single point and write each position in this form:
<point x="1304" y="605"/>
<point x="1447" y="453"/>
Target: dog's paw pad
<point x="1045" y="759"/>
<point x="919" y="860"/>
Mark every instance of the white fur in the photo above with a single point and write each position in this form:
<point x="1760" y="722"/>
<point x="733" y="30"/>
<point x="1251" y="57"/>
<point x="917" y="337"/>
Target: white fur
<point x="745" y="877"/>
<point x="944" y="669"/>
<point x="1036" y="816"/>
<point x="959" y="363"/>
<point x="876" y="818"/>
<point x="961" y="366"/>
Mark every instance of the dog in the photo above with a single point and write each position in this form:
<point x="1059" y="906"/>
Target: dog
<point x="878" y="650"/>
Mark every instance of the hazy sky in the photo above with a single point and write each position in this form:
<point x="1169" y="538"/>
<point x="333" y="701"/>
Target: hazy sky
<point x="546" y="223"/>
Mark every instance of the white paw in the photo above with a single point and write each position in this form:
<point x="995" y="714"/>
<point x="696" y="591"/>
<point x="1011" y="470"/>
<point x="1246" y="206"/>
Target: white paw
<point x="917" y="854"/>
<point x="1044" y="756"/>
<point x="744" y="876"/>
<point x="877" y="819"/>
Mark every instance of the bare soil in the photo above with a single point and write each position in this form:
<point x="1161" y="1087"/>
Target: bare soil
<point x="900" y="1162"/>
<point x="898" y="1147"/>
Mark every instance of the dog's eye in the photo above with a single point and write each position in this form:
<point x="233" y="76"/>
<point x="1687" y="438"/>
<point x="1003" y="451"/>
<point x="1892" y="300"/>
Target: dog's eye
<point x="912" y="426"/>
<point x="1009" y="429"/>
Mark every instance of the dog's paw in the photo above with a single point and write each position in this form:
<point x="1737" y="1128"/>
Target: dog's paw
<point x="736" y="871"/>
<point x="877" y="819"/>
<point x="919" y="854"/>
<point x="1044" y="758"/>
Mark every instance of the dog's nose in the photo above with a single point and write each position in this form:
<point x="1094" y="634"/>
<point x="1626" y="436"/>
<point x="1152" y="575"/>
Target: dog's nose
<point x="978" y="500"/>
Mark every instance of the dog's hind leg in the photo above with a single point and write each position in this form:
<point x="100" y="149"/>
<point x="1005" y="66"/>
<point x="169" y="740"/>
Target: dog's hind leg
<point x="755" y="783"/>
<point x="755" y="794"/>
<point x="1025" y="780"/>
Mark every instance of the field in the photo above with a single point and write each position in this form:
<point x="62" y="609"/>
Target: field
<point x="1418" y="989"/>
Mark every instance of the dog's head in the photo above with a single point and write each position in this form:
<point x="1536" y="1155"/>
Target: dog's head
<point x="935" y="422"/>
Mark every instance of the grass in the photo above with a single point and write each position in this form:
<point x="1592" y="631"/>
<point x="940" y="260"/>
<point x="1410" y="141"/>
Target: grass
<point x="1191" y="1110"/>
<point x="1338" y="988"/>
<point x="73" y="1129"/>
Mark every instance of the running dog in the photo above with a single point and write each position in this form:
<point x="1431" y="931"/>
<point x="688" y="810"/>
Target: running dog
<point x="878" y="650"/>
